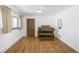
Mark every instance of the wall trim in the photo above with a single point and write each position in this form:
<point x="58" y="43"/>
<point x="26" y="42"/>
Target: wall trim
<point x="5" y="49"/>
<point x="67" y="44"/>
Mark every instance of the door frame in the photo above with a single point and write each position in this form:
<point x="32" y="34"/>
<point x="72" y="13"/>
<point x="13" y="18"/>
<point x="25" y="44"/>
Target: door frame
<point x="33" y="28"/>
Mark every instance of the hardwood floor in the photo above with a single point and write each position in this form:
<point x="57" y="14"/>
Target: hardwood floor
<point x="34" y="45"/>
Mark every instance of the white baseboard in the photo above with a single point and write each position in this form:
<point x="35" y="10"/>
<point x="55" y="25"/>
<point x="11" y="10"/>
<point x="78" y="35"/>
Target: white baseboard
<point x="5" y="49"/>
<point x="68" y="44"/>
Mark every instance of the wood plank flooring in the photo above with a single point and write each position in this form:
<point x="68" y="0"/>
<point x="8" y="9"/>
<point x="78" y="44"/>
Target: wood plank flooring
<point x="34" y="45"/>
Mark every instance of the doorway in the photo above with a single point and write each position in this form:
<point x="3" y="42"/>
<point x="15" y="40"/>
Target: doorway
<point x="30" y="27"/>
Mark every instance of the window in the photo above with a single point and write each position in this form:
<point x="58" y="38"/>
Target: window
<point x="15" y="22"/>
<point x="1" y="25"/>
<point x="19" y="23"/>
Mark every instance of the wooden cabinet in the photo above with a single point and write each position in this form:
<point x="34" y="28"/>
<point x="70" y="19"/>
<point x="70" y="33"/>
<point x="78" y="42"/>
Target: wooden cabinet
<point x="45" y="32"/>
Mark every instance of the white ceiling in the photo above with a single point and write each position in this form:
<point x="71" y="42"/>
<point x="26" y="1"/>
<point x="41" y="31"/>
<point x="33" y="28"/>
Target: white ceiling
<point x="47" y="9"/>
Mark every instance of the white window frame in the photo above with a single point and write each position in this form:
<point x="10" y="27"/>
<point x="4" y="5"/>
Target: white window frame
<point x="18" y="22"/>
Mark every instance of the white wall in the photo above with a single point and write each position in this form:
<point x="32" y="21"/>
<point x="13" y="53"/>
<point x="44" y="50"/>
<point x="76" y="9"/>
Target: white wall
<point x="70" y="28"/>
<point x="43" y="20"/>
<point x="8" y="39"/>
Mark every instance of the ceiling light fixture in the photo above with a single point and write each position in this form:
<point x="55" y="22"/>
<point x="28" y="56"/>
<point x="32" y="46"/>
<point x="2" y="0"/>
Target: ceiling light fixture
<point x="39" y="10"/>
